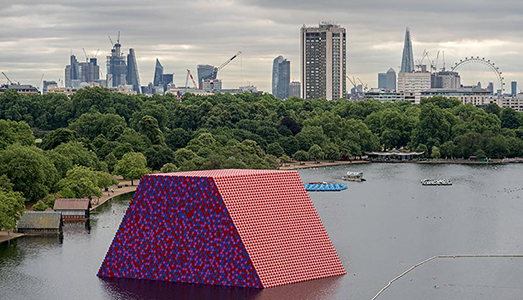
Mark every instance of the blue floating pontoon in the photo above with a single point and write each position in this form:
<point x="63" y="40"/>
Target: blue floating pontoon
<point x="324" y="187"/>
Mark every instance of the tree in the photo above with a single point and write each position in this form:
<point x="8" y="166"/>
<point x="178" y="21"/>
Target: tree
<point x="79" y="155"/>
<point x="133" y="165"/>
<point x="435" y="153"/>
<point x="148" y="126"/>
<point x="275" y="149"/>
<point x="301" y="155"/>
<point x="510" y="119"/>
<point x="57" y="137"/>
<point x="493" y="108"/>
<point x="81" y="182"/>
<point x="40" y="206"/>
<point x="158" y="155"/>
<point x="12" y="132"/>
<point x="183" y="155"/>
<point x="448" y="149"/>
<point x="11" y="204"/>
<point x="30" y="171"/>
<point x="169" y="168"/>
<point x="177" y="138"/>
<point x="316" y="153"/>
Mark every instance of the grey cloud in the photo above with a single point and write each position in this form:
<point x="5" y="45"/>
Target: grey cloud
<point x="37" y="36"/>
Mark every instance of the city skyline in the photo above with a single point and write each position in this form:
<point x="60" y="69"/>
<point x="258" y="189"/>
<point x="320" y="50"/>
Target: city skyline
<point x="267" y="29"/>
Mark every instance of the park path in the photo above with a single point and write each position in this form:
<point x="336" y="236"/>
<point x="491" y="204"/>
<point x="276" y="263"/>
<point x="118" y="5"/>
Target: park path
<point x="106" y="196"/>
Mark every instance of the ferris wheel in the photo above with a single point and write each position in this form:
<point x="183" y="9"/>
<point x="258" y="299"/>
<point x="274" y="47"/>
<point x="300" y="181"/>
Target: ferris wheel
<point x="474" y="70"/>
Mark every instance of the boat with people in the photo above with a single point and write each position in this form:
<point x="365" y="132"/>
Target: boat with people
<point x="353" y="176"/>
<point x="438" y="181"/>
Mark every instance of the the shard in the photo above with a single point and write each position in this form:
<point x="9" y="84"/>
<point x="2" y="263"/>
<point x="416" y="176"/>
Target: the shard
<point x="407" y="59"/>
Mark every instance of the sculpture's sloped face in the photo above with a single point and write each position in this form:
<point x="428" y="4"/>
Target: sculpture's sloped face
<point x="178" y="229"/>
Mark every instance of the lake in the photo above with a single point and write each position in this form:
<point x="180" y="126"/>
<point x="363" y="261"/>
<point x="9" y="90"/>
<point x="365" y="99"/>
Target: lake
<point x="380" y="228"/>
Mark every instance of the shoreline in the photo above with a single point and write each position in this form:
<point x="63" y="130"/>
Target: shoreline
<point x="106" y="196"/>
<point x="322" y="164"/>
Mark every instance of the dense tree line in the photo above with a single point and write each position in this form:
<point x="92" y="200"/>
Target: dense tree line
<point x="96" y="132"/>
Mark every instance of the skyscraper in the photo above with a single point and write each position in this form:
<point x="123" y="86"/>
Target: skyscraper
<point x="206" y="72"/>
<point x="281" y="77"/>
<point x="166" y="80"/>
<point x="490" y="87"/>
<point x="323" y="61"/>
<point x="514" y="88"/>
<point x="116" y="67"/>
<point x="158" y="73"/>
<point x="382" y="81"/>
<point x="407" y="59"/>
<point x="390" y="79"/>
<point x="295" y="89"/>
<point x="133" y="77"/>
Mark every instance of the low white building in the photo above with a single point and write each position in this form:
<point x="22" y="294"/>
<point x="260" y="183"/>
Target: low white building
<point x="382" y="95"/>
<point x="514" y="102"/>
<point x="477" y="96"/>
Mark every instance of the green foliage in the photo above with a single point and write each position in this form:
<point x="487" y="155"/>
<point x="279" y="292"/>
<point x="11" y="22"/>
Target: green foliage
<point x="40" y="206"/>
<point x="79" y="155"/>
<point x="148" y="126"/>
<point x="133" y="165"/>
<point x="97" y="129"/>
<point x="158" y="155"/>
<point x="57" y="137"/>
<point x="435" y="152"/>
<point x="11" y="204"/>
<point x="81" y="182"/>
<point x="316" y="153"/>
<point x="29" y="169"/>
<point x="169" y="168"/>
<point x="301" y="155"/>
<point x="12" y="132"/>
<point x="275" y="149"/>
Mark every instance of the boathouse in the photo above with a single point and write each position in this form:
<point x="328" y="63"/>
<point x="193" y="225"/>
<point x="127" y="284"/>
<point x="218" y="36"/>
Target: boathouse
<point x="73" y="209"/>
<point x="38" y="223"/>
<point x="247" y="228"/>
<point x="394" y="155"/>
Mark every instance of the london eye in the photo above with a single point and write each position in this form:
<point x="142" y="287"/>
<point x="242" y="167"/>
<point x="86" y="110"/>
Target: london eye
<point x="480" y="71"/>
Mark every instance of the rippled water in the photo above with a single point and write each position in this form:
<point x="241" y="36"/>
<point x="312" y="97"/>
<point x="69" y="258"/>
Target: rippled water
<point x="380" y="228"/>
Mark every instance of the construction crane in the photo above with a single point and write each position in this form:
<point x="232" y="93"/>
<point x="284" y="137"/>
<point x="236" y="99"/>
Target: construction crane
<point x="96" y="55"/>
<point x="7" y="78"/>
<point x="86" y="56"/>
<point x="187" y="80"/>
<point x="40" y="82"/>
<point x="228" y="61"/>
<point x="364" y="85"/>
<point x="111" y="40"/>
<point x="353" y="82"/>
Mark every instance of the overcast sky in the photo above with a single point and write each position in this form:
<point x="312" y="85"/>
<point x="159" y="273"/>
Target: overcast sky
<point x="37" y="36"/>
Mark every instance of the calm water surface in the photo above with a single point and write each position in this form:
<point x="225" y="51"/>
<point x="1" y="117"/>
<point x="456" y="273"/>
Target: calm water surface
<point x="380" y="228"/>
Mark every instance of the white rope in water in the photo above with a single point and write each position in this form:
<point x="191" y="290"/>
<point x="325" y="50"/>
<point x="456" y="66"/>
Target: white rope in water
<point x="442" y="256"/>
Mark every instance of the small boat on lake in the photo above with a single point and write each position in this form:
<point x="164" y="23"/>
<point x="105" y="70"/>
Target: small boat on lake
<point x="436" y="182"/>
<point x="353" y="176"/>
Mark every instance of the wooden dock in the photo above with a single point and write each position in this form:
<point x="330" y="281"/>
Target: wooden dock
<point x="4" y="237"/>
